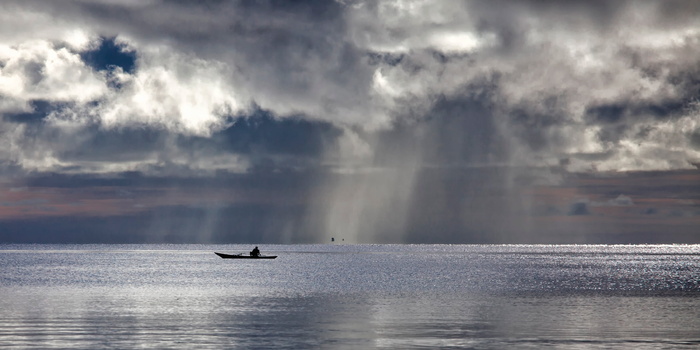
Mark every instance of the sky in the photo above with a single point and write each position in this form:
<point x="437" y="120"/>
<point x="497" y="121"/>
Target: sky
<point x="408" y="121"/>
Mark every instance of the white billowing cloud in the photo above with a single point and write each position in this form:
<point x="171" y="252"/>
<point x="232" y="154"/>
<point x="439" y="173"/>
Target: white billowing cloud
<point x="664" y="146"/>
<point x="36" y="70"/>
<point x="178" y="92"/>
<point x="171" y="91"/>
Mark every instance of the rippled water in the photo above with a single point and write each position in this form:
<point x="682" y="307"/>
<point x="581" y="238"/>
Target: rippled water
<point x="350" y="296"/>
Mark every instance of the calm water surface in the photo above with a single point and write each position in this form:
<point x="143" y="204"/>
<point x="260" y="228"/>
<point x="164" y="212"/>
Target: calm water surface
<point x="350" y="297"/>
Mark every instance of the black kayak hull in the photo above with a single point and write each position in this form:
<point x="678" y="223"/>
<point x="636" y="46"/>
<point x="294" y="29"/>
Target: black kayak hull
<point x="241" y="256"/>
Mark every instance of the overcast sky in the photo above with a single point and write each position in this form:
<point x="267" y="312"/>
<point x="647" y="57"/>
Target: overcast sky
<point x="370" y="122"/>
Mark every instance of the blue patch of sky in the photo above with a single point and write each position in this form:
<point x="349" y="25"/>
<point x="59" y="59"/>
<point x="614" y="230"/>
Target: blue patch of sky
<point x="109" y="55"/>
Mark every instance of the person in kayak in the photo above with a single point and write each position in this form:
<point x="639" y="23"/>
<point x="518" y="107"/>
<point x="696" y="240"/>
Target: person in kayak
<point x="255" y="252"/>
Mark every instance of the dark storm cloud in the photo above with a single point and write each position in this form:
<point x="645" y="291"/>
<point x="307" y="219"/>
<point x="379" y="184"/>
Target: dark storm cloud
<point x="375" y="64"/>
<point x="115" y="145"/>
<point x="619" y="118"/>
<point x="438" y="136"/>
<point x="449" y="121"/>
<point x="261" y="132"/>
<point x="268" y="143"/>
<point x="401" y="118"/>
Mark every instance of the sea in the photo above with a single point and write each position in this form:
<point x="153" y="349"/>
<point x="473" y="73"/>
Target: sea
<point x="350" y="297"/>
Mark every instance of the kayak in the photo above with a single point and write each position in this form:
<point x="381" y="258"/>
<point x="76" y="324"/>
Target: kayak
<point x="241" y="256"/>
